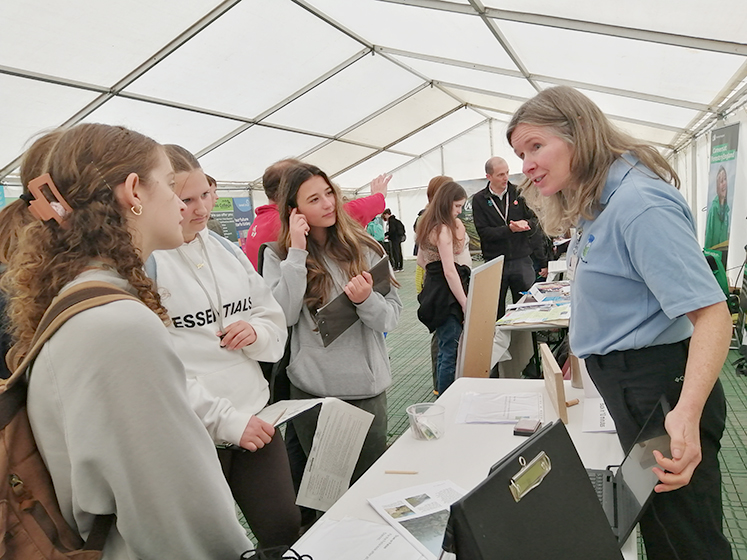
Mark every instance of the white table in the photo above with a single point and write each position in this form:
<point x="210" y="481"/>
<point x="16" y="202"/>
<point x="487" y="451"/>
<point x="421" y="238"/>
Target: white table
<point x="466" y="451"/>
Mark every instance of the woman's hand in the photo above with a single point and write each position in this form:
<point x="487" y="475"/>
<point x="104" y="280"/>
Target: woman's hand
<point x="359" y="287"/>
<point x="237" y="335"/>
<point x="684" y="432"/>
<point x="299" y="229"/>
<point x="257" y="434"/>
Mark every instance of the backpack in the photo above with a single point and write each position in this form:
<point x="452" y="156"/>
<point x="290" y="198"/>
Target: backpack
<point x="31" y="524"/>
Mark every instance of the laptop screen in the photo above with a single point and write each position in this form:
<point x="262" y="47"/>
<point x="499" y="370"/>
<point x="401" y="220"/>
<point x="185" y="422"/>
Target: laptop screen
<point x="635" y="478"/>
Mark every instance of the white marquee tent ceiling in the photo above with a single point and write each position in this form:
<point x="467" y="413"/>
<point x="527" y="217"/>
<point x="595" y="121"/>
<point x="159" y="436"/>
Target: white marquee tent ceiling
<point x="359" y="87"/>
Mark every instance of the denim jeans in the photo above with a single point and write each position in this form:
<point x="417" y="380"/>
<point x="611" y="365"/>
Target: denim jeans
<point x="448" y="342"/>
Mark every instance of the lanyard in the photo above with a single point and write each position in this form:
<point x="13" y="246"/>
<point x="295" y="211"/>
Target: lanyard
<point x="492" y="203"/>
<point x="219" y="310"/>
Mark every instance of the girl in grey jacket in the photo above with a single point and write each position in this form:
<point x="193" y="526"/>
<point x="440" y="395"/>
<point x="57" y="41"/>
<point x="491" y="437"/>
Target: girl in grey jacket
<point x="322" y="254"/>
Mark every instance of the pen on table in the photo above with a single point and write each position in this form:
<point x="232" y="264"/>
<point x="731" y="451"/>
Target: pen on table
<point x="400" y="472"/>
<point x="279" y="416"/>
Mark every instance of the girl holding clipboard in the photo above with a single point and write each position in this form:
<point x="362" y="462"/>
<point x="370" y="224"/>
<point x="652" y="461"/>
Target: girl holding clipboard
<point x="322" y="253"/>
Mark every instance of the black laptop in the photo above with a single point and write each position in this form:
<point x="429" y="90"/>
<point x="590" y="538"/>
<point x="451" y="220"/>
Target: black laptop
<point x="625" y="490"/>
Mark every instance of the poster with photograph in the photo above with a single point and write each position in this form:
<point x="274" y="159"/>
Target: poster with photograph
<point x="721" y="182"/>
<point x="235" y="216"/>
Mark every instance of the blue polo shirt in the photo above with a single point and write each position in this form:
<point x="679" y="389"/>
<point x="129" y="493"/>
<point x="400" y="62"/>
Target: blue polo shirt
<point x="639" y="267"/>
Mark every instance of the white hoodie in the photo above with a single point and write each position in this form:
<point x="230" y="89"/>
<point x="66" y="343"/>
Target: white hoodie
<point x="225" y="386"/>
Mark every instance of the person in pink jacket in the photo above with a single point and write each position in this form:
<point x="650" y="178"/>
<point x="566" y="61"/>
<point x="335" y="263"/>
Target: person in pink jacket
<point x="266" y="225"/>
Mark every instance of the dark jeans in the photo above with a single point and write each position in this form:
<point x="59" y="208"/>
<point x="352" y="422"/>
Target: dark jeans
<point x="375" y="442"/>
<point x="518" y="275"/>
<point x="261" y="484"/>
<point x="684" y="524"/>
<point x="448" y="344"/>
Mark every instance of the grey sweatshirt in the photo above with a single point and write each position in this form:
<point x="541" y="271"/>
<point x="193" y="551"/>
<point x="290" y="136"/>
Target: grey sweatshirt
<point x="108" y="405"/>
<point x="356" y="365"/>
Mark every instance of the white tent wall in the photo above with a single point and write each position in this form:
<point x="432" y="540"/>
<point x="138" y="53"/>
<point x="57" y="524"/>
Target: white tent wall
<point x="738" y="234"/>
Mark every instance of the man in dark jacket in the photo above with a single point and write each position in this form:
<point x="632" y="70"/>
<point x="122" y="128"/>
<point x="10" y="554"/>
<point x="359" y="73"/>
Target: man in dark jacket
<point x="505" y="225"/>
<point x="395" y="234"/>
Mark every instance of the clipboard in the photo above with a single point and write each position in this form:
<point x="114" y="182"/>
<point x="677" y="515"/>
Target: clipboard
<point x="338" y="315"/>
<point x="536" y="502"/>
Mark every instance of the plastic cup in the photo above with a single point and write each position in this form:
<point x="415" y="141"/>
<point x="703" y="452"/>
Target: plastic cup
<point x="427" y="420"/>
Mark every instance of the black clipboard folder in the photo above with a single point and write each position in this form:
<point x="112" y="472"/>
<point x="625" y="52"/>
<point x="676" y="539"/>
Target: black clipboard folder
<point x="338" y="315"/>
<point x="536" y="502"/>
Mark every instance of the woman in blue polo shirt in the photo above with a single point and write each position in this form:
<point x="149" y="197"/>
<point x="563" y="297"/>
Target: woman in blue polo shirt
<point x="648" y="315"/>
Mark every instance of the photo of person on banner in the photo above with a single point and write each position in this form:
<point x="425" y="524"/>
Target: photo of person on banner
<point x="721" y="181"/>
<point x="717" y="224"/>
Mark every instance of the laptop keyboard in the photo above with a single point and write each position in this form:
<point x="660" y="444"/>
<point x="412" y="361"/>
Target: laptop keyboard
<point x="597" y="481"/>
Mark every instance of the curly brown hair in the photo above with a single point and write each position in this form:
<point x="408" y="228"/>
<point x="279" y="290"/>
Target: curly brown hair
<point x="16" y="215"/>
<point x="85" y="163"/>
<point x="345" y="241"/>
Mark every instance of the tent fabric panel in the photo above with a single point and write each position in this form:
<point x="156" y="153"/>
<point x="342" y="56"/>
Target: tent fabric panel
<point x="373" y="82"/>
<point x="414" y="29"/>
<point x="502" y="148"/>
<point x="655" y="113"/>
<point x="29" y="107"/>
<point x="682" y="17"/>
<point x="439" y="132"/>
<point x="622" y="63"/>
<point x="56" y="38"/>
<point x="646" y="133"/>
<point x="415" y="174"/>
<point x="480" y="79"/>
<point x="485" y="99"/>
<point x="465" y="157"/>
<point x="338" y="156"/>
<point x="246" y="156"/>
<point x="248" y="60"/>
<point x="362" y="174"/>
<point x="405" y="117"/>
<point x="166" y="125"/>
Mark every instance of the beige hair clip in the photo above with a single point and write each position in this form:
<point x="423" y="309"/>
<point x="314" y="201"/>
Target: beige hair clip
<point x="41" y="207"/>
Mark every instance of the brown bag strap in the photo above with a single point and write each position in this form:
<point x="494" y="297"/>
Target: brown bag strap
<point x="99" y="532"/>
<point x="71" y="302"/>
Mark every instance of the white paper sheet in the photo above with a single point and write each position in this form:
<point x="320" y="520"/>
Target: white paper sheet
<point x="338" y="441"/>
<point x="596" y="416"/>
<point x="337" y="444"/>
<point x="420" y="513"/>
<point x="355" y="539"/>
<point x="282" y="411"/>
<point x="499" y="408"/>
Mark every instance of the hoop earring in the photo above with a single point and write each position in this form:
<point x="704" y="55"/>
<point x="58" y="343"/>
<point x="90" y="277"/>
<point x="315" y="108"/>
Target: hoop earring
<point x="137" y="210"/>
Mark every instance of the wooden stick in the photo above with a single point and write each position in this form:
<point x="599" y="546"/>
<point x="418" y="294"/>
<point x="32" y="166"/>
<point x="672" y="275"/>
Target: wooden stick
<point x="279" y="416"/>
<point x="573" y="402"/>
<point x="400" y="472"/>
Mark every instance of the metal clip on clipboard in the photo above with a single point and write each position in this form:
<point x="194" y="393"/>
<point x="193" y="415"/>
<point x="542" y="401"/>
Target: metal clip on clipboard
<point x="530" y="476"/>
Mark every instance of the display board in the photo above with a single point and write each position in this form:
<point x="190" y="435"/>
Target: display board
<point x="476" y="347"/>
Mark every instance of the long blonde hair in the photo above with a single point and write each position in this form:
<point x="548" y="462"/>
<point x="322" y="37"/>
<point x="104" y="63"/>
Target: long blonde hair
<point x="85" y="163"/>
<point x="596" y="143"/>
<point x="345" y="243"/>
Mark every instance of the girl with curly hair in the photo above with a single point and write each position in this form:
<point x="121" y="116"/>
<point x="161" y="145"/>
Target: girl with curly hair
<point x="107" y="397"/>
